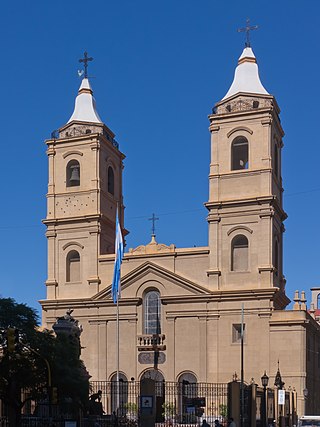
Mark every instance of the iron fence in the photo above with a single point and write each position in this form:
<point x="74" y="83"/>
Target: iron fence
<point x="175" y="403"/>
<point x="181" y="403"/>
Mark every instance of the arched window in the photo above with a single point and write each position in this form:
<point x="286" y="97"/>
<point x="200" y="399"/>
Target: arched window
<point x="73" y="266"/>
<point x="110" y="180"/>
<point x="187" y="378"/>
<point x="153" y="374"/>
<point x="239" y="253"/>
<point x="73" y="173"/>
<point x="152" y="313"/>
<point x="122" y="390"/>
<point x="239" y="153"/>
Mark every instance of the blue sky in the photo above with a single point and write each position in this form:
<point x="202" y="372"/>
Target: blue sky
<point x="158" y="69"/>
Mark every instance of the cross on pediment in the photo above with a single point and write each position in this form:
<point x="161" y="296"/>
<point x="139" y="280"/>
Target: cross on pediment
<point x="153" y="219"/>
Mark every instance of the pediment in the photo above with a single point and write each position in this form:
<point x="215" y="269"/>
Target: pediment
<point x="170" y="283"/>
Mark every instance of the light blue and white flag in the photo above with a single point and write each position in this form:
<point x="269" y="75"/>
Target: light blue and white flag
<point x="116" y="283"/>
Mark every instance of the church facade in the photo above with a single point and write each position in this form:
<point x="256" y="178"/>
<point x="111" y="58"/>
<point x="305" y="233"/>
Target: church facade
<point x="186" y="305"/>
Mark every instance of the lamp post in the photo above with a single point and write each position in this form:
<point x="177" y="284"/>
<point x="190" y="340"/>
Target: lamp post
<point x="264" y="382"/>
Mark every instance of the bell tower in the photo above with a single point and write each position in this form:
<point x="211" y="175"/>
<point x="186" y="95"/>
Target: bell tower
<point x="84" y="190"/>
<point x="245" y="186"/>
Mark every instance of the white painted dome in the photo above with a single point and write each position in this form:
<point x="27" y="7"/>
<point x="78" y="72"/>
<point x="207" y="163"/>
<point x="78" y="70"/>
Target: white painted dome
<point x="246" y="76"/>
<point x="85" y="105"/>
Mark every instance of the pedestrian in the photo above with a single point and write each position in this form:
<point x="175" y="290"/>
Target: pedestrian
<point x="232" y="422"/>
<point x="205" y="424"/>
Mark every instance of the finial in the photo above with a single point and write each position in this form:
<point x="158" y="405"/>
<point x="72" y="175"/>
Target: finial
<point x="303" y="300"/>
<point x="85" y="61"/>
<point x="278" y="379"/>
<point x="247" y="30"/>
<point x="297" y="301"/>
<point x="153" y="219"/>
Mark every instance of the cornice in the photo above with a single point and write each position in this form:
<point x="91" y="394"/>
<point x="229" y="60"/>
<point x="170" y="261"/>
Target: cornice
<point x="223" y="295"/>
<point x="242" y="172"/>
<point x="71" y="219"/>
<point x="81" y="303"/>
<point x="272" y="204"/>
<point x="244" y="201"/>
<point x="88" y="137"/>
<point x="238" y="295"/>
<point x="238" y="116"/>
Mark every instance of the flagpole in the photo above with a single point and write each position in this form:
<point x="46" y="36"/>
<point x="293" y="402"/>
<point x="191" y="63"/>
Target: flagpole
<point x="116" y="292"/>
<point x="118" y="353"/>
<point x="242" y="371"/>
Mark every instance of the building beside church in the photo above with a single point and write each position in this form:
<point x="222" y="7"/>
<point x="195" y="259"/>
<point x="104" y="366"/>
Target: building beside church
<point x="182" y="304"/>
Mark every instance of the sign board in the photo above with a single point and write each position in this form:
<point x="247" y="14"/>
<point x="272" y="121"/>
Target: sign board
<point x="281" y="397"/>
<point x="146" y="401"/>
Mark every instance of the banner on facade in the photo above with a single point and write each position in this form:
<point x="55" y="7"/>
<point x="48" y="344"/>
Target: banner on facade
<point x="281" y="397"/>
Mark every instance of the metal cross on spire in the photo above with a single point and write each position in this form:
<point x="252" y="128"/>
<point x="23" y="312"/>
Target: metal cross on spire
<point x="153" y="219"/>
<point x="247" y="30"/>
<point x="85" y="61"/>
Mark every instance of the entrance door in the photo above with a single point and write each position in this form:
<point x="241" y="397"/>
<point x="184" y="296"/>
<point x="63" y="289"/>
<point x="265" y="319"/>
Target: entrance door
<point x="159" y="391"/>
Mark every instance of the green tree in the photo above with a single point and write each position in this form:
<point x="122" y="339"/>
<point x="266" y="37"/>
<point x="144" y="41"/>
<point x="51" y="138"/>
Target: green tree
<point x="37" y="358"/>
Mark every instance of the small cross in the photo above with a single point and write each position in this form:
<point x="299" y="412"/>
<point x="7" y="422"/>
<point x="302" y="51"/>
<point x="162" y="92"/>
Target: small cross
<point x="153" y="219"/>
<point x="85" y="61"/>
<point x="247" y="29"/>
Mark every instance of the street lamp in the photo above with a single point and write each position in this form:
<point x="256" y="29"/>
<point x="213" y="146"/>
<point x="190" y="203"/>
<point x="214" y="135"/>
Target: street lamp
<point x="264" y="382"/>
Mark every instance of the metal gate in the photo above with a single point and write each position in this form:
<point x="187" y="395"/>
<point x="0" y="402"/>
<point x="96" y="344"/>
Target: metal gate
<point x="176" y="402"/>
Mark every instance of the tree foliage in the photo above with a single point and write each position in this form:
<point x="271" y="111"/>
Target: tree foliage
<point x="38" y="356"/>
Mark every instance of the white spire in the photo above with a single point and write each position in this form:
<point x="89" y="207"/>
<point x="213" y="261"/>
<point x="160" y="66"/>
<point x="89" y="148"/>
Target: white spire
<point x="85" y="105"/>
<point x="246" y="76"/>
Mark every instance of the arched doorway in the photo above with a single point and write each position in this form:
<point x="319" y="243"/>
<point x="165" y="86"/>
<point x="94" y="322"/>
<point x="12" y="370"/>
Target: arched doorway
<point x="159" y="390"/>
<point x="120" y="390"/>
<point x="188" y="391"/>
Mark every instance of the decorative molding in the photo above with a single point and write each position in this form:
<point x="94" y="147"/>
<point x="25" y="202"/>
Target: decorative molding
<point x="94" y="280"/>
<point x="148" y="358"/>
<point x="213" y="272"/>
<point x="64" y="247"/>
<point x="239" y="227"/>
<point x="72" y="153"/>
<point x="243" y="102"/>
<point x="266" y="268"/>
<point x="152" y="247"/>
<point x="51" y="283"/>
<point x="51" y="151"/>
<point x="95" y="146"/>
<point x="239" y="129"/>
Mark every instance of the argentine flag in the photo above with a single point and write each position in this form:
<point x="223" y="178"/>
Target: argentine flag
<point x="116" y="284"/>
